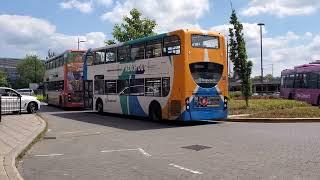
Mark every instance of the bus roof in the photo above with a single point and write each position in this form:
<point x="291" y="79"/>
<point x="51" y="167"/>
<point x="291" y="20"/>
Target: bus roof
<point x="311" y="67"/>
<point x="66" y="51"/>
<point x="154" y="37"/>
<point x="308" y="68"/>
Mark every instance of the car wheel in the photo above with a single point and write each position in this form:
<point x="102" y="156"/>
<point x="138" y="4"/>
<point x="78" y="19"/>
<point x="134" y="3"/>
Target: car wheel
<point x="155" y="113"/>
<point x="32" y="107"/>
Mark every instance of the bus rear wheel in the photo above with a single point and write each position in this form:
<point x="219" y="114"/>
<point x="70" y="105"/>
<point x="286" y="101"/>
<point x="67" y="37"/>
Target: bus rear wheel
<point x="290" y="96"/>
<point x="60" y="102"/>
<point x="99" y="106"/>
<point x="155" y="113"/>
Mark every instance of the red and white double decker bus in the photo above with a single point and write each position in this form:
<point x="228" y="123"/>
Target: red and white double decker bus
<point x="63" y="79"/>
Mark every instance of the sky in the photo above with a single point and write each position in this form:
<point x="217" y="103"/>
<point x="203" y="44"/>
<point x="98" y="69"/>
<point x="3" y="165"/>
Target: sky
<point x="291" y="35"/>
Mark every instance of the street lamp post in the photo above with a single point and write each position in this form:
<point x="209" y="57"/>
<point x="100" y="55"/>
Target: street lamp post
<point x="261" y="24"/>
<point x="80" y="42"/>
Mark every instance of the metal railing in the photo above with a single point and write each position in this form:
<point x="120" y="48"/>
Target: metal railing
<point x="10" y="105"/>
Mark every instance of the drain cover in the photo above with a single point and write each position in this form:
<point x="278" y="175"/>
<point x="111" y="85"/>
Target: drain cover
<point x="197" y="147"/>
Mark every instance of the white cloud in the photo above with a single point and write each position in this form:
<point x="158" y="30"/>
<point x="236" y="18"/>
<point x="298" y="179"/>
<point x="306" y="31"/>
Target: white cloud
<point x="84" y="7"/>
<point x="21" y="35"/>
<point x="284" y="51"/>
<point x="105" y="2"/>
<point x="168" y="14"/>
<point x="281" y="8"/>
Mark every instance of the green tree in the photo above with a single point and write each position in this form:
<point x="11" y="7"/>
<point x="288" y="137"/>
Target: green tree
<point x="133" y="27"/>
<point x="3" y="79"/>
<point x="238" y="55"/>
<point x="256" y="78"/>
<point x="31" y="70"/>
<point x="110" y="42"/>
<point x="268" y="77"/>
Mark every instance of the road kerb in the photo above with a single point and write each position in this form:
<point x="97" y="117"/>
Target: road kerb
<point x="10" y="158"/>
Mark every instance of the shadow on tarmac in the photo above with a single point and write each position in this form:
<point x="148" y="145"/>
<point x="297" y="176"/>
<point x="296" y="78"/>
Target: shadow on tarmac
<point x="130" y="123"/>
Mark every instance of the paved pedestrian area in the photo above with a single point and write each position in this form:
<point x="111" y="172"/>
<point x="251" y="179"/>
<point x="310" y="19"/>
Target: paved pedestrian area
<point x="83" y="145"/>
<point x="16" y="133"/>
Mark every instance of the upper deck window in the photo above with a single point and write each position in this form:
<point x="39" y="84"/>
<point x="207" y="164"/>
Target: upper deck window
<point x="124" y="53"/>
<point x="137" y="51"/>
<point x="99" y="57"/>
<point x="153" y="48"/>
<point x="205" y="41"/>
<point x="171" y="45"/>
<point x="111" y="55"/>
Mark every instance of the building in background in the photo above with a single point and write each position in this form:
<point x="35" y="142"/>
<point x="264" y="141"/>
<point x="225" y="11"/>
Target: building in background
<point x="9" y="65"/>
<point x="268" y="87"/>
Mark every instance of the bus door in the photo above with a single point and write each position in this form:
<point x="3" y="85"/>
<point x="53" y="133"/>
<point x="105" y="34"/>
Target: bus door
<point x="88" y="94"/>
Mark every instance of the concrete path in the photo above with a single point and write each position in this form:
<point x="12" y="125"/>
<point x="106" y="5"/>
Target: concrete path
<point x="16" y="133"/>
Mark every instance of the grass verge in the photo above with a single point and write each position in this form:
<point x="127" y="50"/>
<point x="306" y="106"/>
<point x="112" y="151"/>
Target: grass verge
<point x="274" y="108"/>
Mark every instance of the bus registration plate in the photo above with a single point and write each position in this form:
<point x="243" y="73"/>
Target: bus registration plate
<point x="204" y="101"/>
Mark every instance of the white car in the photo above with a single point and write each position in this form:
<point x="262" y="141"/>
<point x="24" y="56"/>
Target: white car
<point x="10" y="101"/>
<point x="26" y="91"/>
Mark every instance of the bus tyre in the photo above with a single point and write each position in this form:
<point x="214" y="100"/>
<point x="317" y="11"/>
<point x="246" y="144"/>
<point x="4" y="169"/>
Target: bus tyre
<point x="99" y="106"/>
<point x="32" y="107"/>
<point x="290" y="96"/>
<point x="60" y="102"/>
<point x="155" y="113"/>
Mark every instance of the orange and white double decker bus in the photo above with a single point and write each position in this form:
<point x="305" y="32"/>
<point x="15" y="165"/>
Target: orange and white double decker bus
<point x="180" y="75"/>
<point x="63" y="79"/>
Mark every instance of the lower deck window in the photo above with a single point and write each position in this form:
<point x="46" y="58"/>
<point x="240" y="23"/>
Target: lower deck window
<point x="99" y="84"/>
<point x="206" y="74"/>
<point x="159" y="87"/>
<point x="153" y="87"/>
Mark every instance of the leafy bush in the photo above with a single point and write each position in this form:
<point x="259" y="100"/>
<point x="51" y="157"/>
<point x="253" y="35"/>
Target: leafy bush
<point x="40" y="98"/>
<point x="235" y="95"/>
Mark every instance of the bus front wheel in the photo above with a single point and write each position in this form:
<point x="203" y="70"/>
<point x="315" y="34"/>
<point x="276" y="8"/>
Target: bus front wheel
<point x="155" y="113"/>
<point x="99" y="106"/>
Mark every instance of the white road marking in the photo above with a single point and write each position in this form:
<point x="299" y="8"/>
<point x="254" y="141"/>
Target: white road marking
<point x="185" y="169"/>
<point x="72" y="132"/>
<point x="47" y="155"/>
<point x="120" y="150"/>
<point x="49" y="130"/>
<point x="81" y="133"/>
<point x="144" y="152"/>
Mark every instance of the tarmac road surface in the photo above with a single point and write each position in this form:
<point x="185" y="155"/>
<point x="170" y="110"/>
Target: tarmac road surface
<point x="84" y="145"/>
